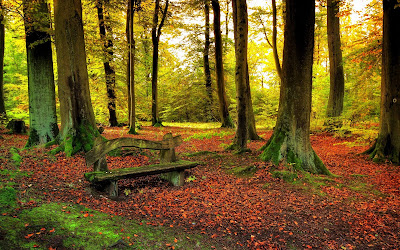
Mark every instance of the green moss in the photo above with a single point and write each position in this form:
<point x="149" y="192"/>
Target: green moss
<point x="16" y="158"/>
<point x="66" y="226"/>
<point x="294" y="161"/>
<point x="8" y="197"/>
<point x="272" y="148"/>
<point x="287" y="176"/>
<point x="246" y="171"/>
<point x="33" y="138"/>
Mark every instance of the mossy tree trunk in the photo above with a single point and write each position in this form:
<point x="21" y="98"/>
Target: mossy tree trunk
<point x="2" y="36"/>
<point x="108" y="53"/>
<point x="206" y="60"/>
<point x="240" y="21"/>
<point x="387" y="145"/>
<point x="42" y="100"/>
<point x="336" y="93"/>
<point x="290" y="141"/>
<point x="78" y="128"/>
<point x="155" y="35"/>
<point x="226" y="120"/>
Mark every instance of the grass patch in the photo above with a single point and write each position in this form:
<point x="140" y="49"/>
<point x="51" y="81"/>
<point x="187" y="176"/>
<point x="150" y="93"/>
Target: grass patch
<point x="76" y="227"/>
<point x="15" y="157"/>
<point x="202" y="136"/>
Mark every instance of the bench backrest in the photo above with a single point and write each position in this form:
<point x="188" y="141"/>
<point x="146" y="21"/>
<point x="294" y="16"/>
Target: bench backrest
<point x="166" y="147"/>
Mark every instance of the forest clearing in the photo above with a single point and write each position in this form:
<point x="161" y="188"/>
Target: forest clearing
<point x="230" y="201"/>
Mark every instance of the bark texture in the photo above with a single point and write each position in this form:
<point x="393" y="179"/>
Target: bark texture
<point x="41" y="89"/>
<point x="226" y="119"/>
<point x="387" y="146"/>
<point x="240" y="21"/>
<point x="108" y="53"/>
<point x="336" y="93"/>
<point x="155" y="35"/>
<point x="206" y="59"/>
<point x="290" y="141"/>
<point x="132" y="5"/>
<point x="3" y="113"/>
<point x="78" y="128"/>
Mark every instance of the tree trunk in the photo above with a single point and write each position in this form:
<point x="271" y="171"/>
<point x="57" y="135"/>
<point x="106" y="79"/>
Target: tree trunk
<point x="155" y="35"/>
<point x="226" y="119"/>
<point x="336" y="93"/>
<point x="206" y="59"/>
<point x="78" y="128"/>
<point x="387" y="145"/>
<point x="240" y="22"/>
<point x="131" y="66"/>
<point x="290" y="141"/>
<point x="3" y="113"/>
<point x="251" y="121"/>
<point x="106" y="37"/>
<point x="274" y="37"/>
<point x="41" y="88"/>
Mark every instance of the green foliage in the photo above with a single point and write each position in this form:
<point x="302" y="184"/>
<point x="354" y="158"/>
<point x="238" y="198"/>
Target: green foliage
<point x="8" y="198"/>
<point x="209" y="135"/>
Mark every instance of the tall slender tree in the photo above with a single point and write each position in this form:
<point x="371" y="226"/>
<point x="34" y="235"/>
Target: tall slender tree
<point x="240" y="23"/>
<point x="3" y="113"/>
<point x="226" y="119"/>
<point x="108" y="54"/>
<point x="387" y="145"/>
<point x="155" y="35"/>
<point x="132" y="6"/>
<point x="336" y="93"/>
<point x="78" y="127"/>
<point x="290" y="141"/>
<point x="41" y="88"/>
<point x="206" y="59"/>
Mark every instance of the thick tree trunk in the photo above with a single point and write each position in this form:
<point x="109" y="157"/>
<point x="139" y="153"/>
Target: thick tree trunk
<point x="155" y="35"/>
<point x="3" y="113"/>
<point x="387" y="145"/>
<point x="290" y="141"/>
<point x="41" y="88"/>
<point x="106" y="36"/>
<point x="274" y="38"/>
<point x="206" y="59"/>
<point x="226" y="119"/>
<point x="131" y="67"/>
<point x="78" y="128"/>
<point x="240" y="21"/>
<point x="336" y="93"/>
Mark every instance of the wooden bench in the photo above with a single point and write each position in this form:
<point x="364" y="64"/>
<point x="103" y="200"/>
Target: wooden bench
<point x="106" y="180"/>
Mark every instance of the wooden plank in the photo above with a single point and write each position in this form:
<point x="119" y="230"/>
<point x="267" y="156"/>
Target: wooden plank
<point x="100" y="150"/>
<point x="123" y="173"/>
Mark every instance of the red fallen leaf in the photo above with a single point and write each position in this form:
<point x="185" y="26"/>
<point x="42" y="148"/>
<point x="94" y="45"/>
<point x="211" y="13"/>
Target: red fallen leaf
<point x="36" y="246"/>
<point x="175" y="240"/>
<point x="214" y="236"/>
<point x="28" y="236"/>
<point x="43" y="229"/>
<point x="85" y="215"/>
<point x="100" y="233"/>
<point x="52" y="230"/>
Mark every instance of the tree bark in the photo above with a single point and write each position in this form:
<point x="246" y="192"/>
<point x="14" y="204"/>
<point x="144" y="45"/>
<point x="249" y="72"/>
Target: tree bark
<point x="226" y="119"/>
<point x="240" y="21"/>
<point x="132" y="4"/>
<point x="290" y="141"/>
<point x="3" y="113"/>
<point x="41" y="88"/>
<point x="387" y="146"/>
<point x="155" y="34"/>
<point x="336" y="93"/>
<point x="106" y="37"/>
<point x="206" y="59"/>
<point x="251" y="121"/>
<point x="78" y="128"/>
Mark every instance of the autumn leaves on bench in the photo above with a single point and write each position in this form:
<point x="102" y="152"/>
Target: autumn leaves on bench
<point x="104" y="179"/>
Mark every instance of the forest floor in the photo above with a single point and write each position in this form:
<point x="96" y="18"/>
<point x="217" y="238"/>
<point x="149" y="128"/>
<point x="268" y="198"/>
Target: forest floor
<point x="230" y="201"/>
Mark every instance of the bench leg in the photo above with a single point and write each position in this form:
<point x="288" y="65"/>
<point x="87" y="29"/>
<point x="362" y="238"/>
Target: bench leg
<point x="113" y="189"/>
<point x="176" y="178"/>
